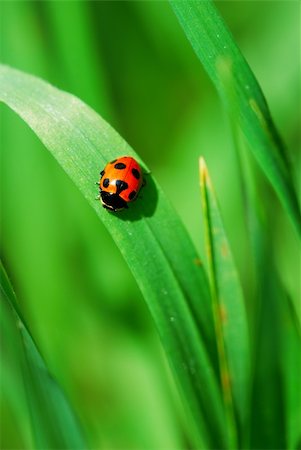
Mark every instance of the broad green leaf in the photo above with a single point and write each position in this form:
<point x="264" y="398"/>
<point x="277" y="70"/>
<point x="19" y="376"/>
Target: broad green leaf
<point x="54" y="423"/>
<point x="150" y="236"/>
<point x="229" y="311"/>
<point x="214" y="45"/>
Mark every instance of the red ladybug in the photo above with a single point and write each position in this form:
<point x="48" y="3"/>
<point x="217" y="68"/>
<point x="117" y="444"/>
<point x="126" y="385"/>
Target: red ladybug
<point x="120" y="183"/>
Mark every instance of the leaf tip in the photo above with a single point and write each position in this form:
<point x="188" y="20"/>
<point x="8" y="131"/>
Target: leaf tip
<point x="204" y="174"/>
<point x="203" y="170"/>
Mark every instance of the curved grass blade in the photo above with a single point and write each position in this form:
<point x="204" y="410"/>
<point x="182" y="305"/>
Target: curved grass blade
<point x="229" y="311"/>
<point x="213" y="44"/>
<point x="276" y="384"/>
<point x="54" y="423"/>
<point x="14" y="418"/>
<point x="150" y="236"/>
<point x="276" y="400"/>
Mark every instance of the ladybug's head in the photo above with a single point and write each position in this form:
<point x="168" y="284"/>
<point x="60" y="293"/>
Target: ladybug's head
<point x="112" y="201"/>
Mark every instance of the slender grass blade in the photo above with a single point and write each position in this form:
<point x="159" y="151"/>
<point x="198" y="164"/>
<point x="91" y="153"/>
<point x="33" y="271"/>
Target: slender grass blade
<point x="54" y="423"/>
<point x="231" y="324"/>
<point x="215" y="46"/>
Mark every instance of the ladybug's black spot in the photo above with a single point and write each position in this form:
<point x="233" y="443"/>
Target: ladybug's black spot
<point x="132" y="195"/>
<point x="106" y="182"/>
<point x="136" y="173"/>
<point x="121" y="186"/>
<point x="120" y="166"/>
<point x="114" y="160"/>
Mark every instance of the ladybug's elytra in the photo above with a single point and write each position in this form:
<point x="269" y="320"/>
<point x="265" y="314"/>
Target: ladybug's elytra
<point x="120" y="183"/>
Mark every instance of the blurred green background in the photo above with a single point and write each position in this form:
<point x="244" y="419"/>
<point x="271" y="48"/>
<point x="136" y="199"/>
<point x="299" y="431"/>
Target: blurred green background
<point x="131" y="62"/>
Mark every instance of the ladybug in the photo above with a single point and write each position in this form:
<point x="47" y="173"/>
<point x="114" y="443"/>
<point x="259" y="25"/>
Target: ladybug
<point x="120" y="183"/>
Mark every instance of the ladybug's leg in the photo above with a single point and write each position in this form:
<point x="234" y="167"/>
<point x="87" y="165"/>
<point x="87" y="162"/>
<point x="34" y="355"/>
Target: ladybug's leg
<point x="102" y="173"/>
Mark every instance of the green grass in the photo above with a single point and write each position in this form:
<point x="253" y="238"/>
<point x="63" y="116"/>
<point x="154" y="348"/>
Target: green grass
<point x="154" y="243"/>
<point x="54" y="423"/>
<point x="229" y="324"/>
<point x="215" y="47"/>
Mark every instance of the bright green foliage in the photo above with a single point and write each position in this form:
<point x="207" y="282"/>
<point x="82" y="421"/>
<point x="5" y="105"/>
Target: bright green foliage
<point x="215" y="46"/>
<point x="275" y="385"/>
<point x="156" y="247"/>
<point x="131" y="62"/>
<point x="54" y="423"/>
<point x="276" y="399"/>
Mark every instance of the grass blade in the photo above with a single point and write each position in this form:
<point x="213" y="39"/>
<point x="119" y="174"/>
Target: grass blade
<point x="290" y="363"/>
<point x="13" y="402"/>
<point x="276" y="408"/>
<point x="229" y="312"/>
<point x="213" y="44"/>
<point x="149" y="235"/>
<point x="88" y="81"/>
<point x="54" y="424"/>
